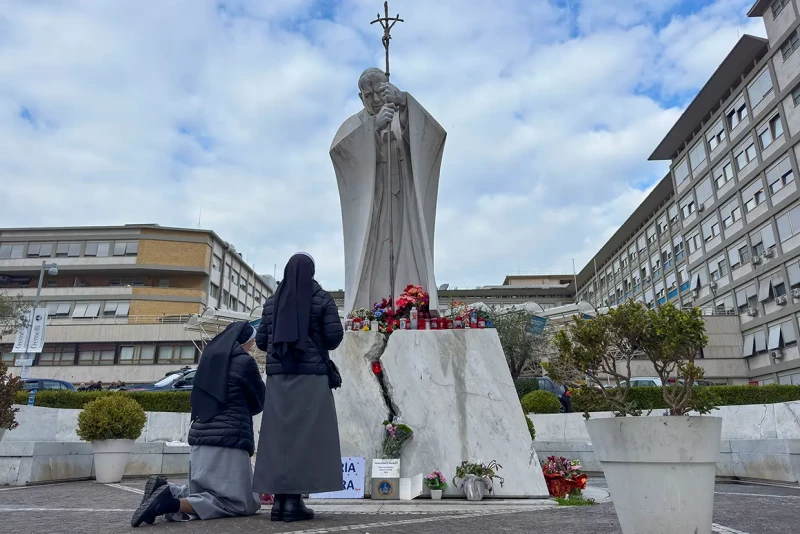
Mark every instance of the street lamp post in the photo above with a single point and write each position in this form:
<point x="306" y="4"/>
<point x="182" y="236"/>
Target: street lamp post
<point x="52" y="270"/>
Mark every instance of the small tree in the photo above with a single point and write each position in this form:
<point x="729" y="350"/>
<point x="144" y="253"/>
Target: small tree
<point x="11" y="309"/>
<point x="523" y="350"/>
<point x="604" y="346"/>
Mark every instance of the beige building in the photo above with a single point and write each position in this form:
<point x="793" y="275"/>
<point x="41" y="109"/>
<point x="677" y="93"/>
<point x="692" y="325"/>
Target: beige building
<point x="123" y="295"/>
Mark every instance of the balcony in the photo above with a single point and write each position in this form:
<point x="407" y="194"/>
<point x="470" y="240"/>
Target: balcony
<point x="71" y="292"/>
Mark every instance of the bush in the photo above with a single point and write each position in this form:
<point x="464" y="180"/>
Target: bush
<point x="541" y="402"/>
<point x="112" y="416"/>
<point x="9" y="387"/>
<point x="651" y="398"/>
<point x="150" y="401"/>
<point x="525" y="386"/>
<point x="531" y="428"/>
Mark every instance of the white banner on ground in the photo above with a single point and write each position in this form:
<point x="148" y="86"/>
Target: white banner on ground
<point x="352" y="481"/>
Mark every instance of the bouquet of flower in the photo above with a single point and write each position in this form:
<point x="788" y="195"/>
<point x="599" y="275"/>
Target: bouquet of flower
<point x="480" y="471"/>
<point x="436" y="480"/>
<point x="397" y="435"/>
<point x="563" y="476"/>
<point x="412" y="297"/>
<point x="362" y="314"/>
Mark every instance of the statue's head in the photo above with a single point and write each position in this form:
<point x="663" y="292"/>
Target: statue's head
<point x="369" y="92"/>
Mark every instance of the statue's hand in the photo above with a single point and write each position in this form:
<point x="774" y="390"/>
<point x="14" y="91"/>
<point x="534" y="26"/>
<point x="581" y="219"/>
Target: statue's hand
<point x="385" y="116"/>
<point x="392" y="94"/>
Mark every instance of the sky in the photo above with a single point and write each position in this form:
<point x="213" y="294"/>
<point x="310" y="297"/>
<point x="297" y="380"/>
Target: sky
<point x="221" y="113"/>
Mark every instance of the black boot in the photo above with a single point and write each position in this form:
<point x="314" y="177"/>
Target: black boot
<point x="161" y="502"/>
<point x="296" y="510"/>
<point x="277" y="507"/>
<point x="152" y="484"/>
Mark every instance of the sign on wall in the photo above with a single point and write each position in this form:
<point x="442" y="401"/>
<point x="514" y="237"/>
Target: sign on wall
<point x="33" y="332"/>
<point x="352" y="481"/>
<point x="536" y="326"/>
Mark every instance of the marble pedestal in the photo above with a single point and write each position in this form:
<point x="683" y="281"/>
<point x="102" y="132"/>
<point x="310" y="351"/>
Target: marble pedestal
<point x="453" y="388"/>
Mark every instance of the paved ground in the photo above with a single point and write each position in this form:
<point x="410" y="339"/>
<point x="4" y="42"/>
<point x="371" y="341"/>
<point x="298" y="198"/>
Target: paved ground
<point x="89" y="507"/>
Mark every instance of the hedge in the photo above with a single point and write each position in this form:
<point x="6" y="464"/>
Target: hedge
<point x="150" y="401"/>
<point x="525" y="386"/>
<point x="651" y="398"/>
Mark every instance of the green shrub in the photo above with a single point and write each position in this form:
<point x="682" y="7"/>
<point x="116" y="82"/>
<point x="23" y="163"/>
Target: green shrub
<point x="541" y="402"/>
<point x="150" y="401"/>
<point x="651" y="398"/>
<point x="115" y="416"/>
<point x="525" y="386"/>
<point x="531" y="428"/>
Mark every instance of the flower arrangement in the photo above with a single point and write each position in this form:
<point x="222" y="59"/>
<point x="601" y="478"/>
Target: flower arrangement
<point x="436" y="480"/>
<point x="397" y="435"/>
<point x="385" y="315"/>
<point x="412" y="297"/>
<point x="563" y="476"/>
<point x="486" y="472"/>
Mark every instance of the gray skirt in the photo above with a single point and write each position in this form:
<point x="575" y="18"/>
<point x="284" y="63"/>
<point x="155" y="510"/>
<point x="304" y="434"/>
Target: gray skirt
<point x="298" y="449"/>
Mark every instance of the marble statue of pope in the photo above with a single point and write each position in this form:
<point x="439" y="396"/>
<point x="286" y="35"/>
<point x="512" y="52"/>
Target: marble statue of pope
<point x="377" y="207"/>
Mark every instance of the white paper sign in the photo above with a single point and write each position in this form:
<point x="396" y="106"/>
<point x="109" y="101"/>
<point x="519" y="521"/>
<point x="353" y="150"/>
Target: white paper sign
<point x="383" y="468"/>
<point x="410" y="488"/>
<point x="353" y="470"/>
<point x="36" y="323"/>
<point x="24" y="363"/>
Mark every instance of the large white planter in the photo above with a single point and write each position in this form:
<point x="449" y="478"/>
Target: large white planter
<point x="110" y="458"/>
<point x="660" y="471"/>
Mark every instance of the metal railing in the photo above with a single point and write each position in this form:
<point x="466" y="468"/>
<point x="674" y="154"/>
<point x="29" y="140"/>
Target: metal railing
<point x="130" y="320"/>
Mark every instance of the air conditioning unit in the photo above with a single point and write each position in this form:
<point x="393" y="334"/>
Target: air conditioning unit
<point x="776" y="354"/>
<point x="701" y="208"/>
<point x="696" y="292"/>
<point x="646" y="279"/>
<point x="752" y="312"/>
<point x="712" y="285"/>
<point x="756" y="260"/>
<point x="769" y="253"/>
<point x="796" y="293"/>
<point x="781" y="300"/>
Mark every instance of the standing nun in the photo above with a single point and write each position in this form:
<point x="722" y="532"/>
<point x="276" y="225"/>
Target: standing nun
<point x="298" y="450"/>
<point x="227" y="392"/>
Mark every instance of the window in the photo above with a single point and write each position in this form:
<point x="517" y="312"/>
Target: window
<point x="68" y="250"/>
<point x="233" y="304"/>
<point x="12" y="252"/>
<point x="214" y="291"/>
<point x="176" y="354"/>
<point x="89" y="310"/>
<point x="684" y="277"/>
<point x="770" y="131"/>
<point x="655" y="261"/>
<point x="781" y="335"/>
<point x="57" y="355"/>
<point x="40" y="250"/>
<point x="116" y="309"/>
<point x="753" y="195"/>
<point x="671" y="281"/>
<point x="790" y="45"/>
<point x="762" y="240"/>
<point x="772" y="287"/>
<point x="216" y="261"/>
<point x="794" y="274"/>
<point x="716" y="135"/>
<point x="693" y="242"/>
<point x="641" y="244"/>
<point x="651" y="235"/>
<point x="137" y="354"/>
<point x="6" y="356"/>
<point x="677" y="247"/>
<point x="663" y="227"/>
<point x="778" y="285"/>
<point x="789" y="224"/>
<point x="58" y="309"/>
<point x="703" y="191"/>
<point x="718" y="268"/>
<point x="710" y="228"/>
<point x="99" y="249"/>
<point x="777" y="7"/>
<point x="737" y="113"/>
<point x="96" y="354"/>
<point x="126" y="248"/>
<point x="697" y="155"/>
<point x="731" y="213"/>
<point x="760" y="88"/>
<point x="126" y="282"/>
<point x="666" y="256"/>
<point x="723" y="175"/>
<point x="672" y="213"/>
<point x="687" y="206"/>
<point x="796" y="96"/>
<point x="745" y="154"/>
<point x="780" y="175"/>
<point x="746" y="297"/>
<point x="681" y="172"/>
<point x="660" y="290"/>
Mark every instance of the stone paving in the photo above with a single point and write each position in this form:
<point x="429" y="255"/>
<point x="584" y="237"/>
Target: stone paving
<point x="90" y="507"/>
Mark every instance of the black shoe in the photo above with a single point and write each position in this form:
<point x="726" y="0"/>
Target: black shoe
<point x="296" y="510"/>
<point x="160" y="502"/>
<point x="152" y="484"/>
<point x="277" y="508"/>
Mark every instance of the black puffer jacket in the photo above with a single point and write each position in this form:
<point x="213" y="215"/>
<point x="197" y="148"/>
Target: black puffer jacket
<point x="325" y="332"/>
<point x="233" y="427"/>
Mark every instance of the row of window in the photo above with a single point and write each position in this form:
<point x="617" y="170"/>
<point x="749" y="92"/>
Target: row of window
<point x="774" y="337"/>
<point x="62" y="249"/>
<point x="110" y="354"/>
<point x="88" y="310"/>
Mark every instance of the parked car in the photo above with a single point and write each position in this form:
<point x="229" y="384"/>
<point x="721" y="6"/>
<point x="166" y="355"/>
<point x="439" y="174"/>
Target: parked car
<point x="562" y="392"/>
<point x="47" y="383"/>
<point x="645" y="381"/>
<point x="174" y="381"/>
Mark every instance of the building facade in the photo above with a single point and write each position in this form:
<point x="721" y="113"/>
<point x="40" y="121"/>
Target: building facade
<point x="122" y="296"/>
<point x="722" y="230"/>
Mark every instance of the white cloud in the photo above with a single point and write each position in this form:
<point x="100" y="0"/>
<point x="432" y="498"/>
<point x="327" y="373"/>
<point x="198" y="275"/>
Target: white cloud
<point x="145" y="115"/>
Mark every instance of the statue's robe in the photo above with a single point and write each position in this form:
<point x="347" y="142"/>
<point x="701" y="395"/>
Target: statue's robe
<point x="359" y="158"/>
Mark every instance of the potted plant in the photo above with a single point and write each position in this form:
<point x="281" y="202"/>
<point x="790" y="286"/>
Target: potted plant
<point x="563" y="476"/>
<point x="476" y="478"/>
<point x="437" y="484"/>
<point x="9" y="386"/>
<point x="111" y="424"/>
<point x="660" y="470"/>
